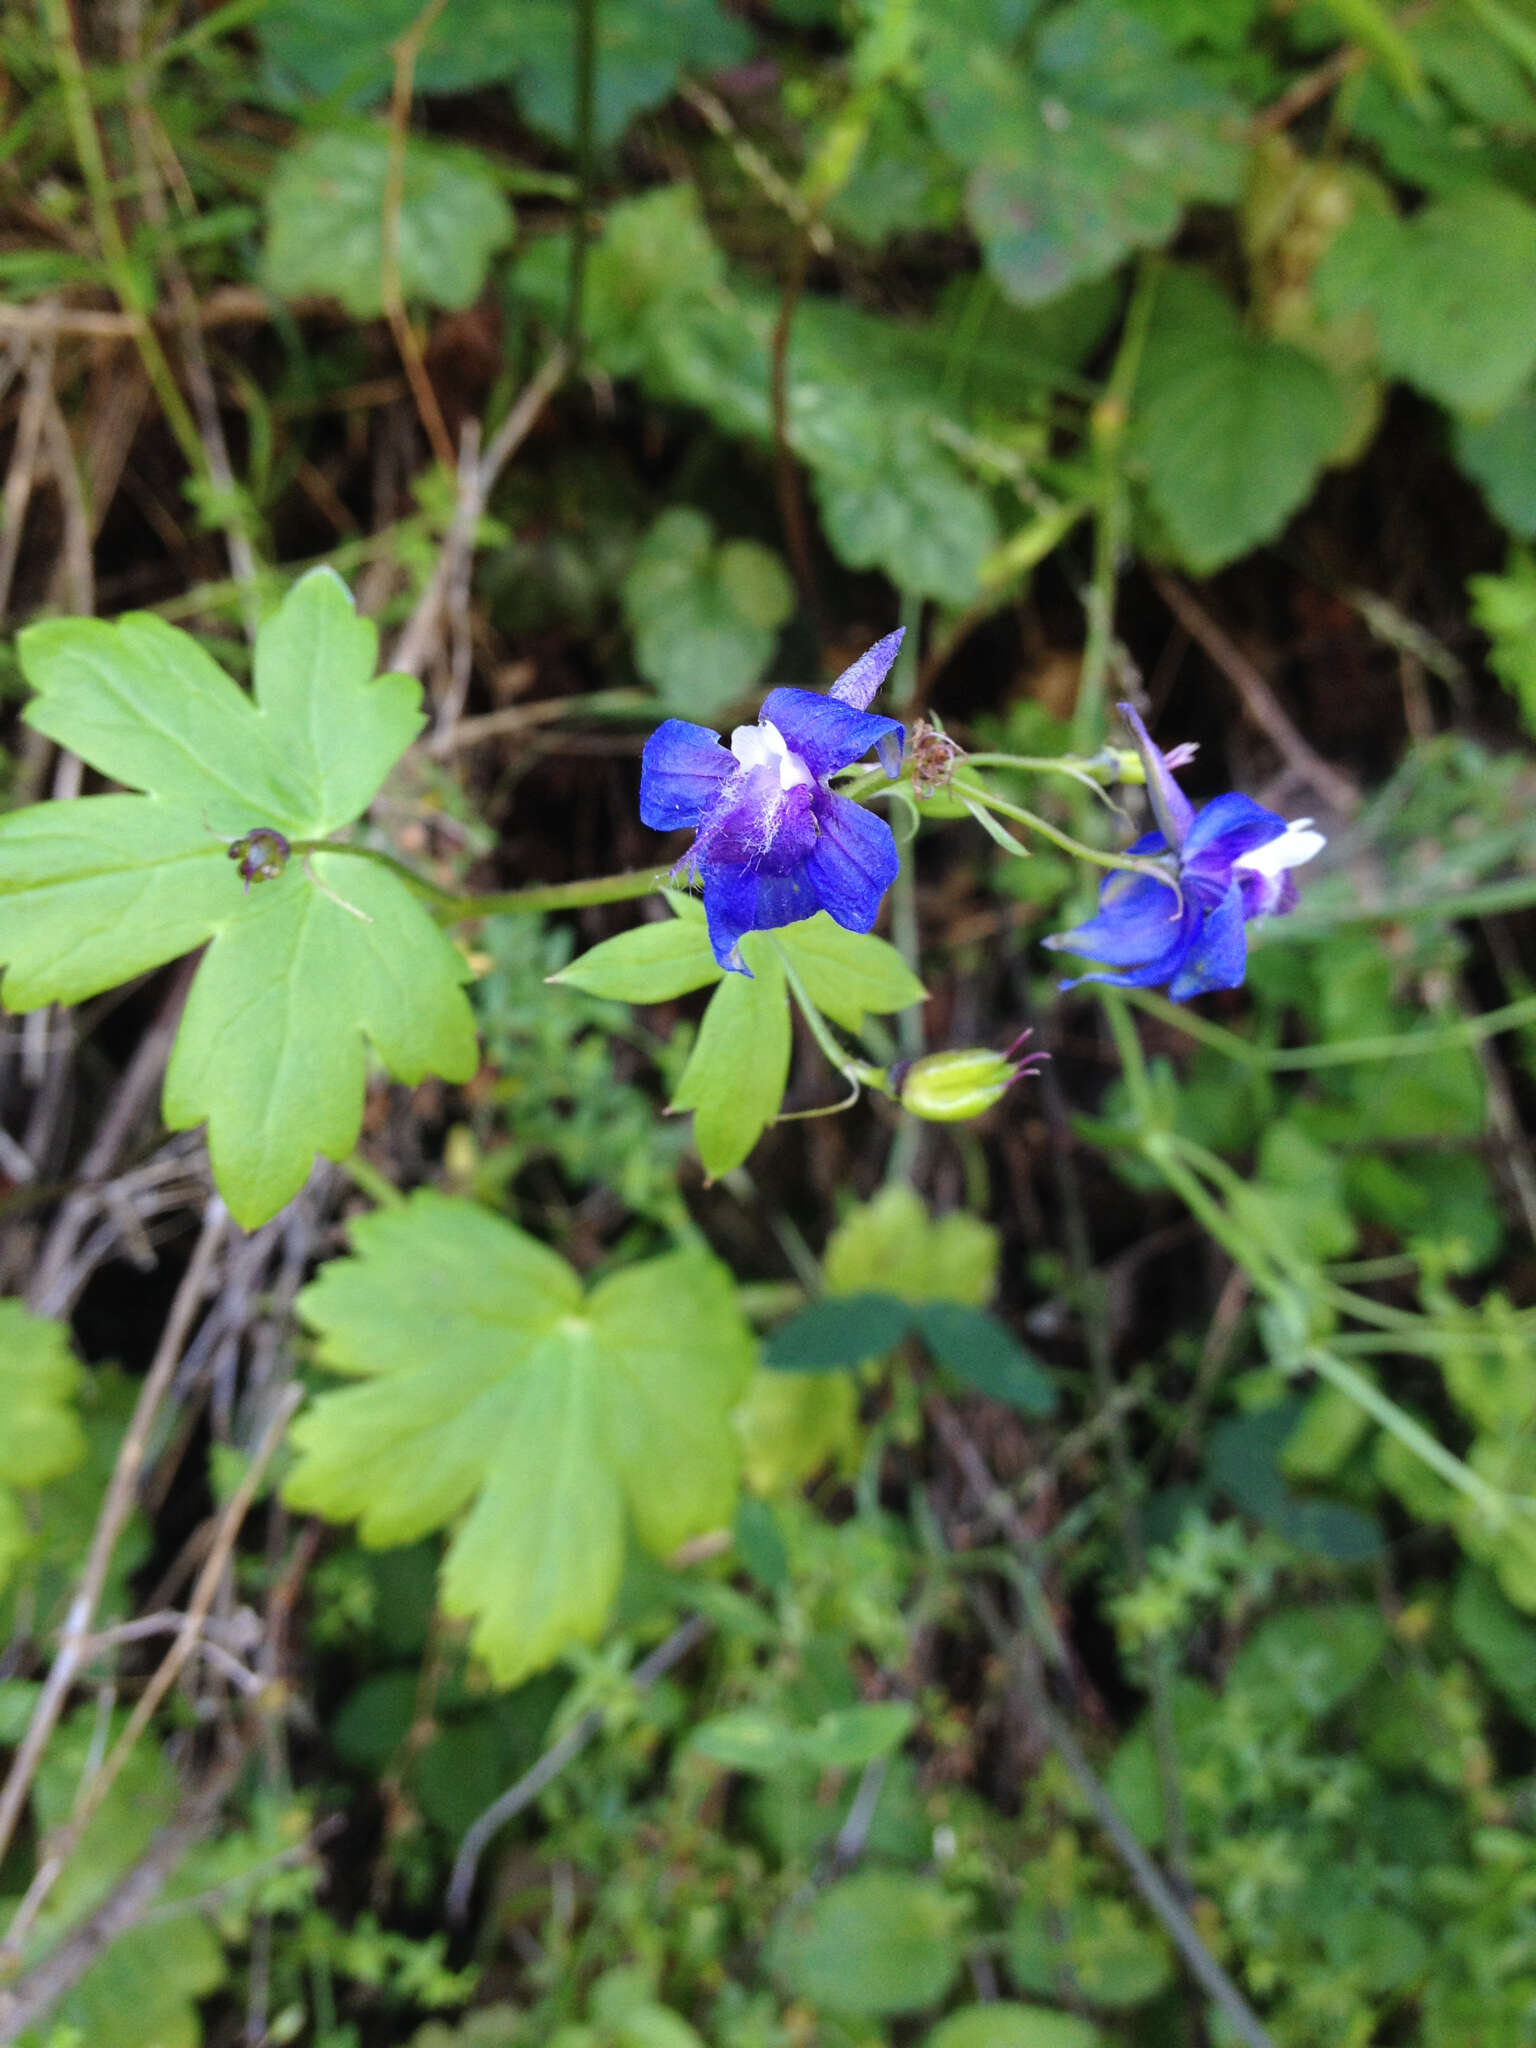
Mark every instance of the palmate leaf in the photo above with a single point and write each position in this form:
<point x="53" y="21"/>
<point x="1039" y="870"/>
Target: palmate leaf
<point x="534" y="1420"/>
<point x="270" y="1050"/>
<point x="705" y="617"/>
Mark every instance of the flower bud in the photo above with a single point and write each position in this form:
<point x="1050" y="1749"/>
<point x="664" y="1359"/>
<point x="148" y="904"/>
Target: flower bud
<point x="949" y="1087"/>
<point x="261" y="855"/>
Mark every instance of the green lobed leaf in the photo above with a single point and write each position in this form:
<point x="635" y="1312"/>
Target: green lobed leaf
<point x="300" y="968"/>
<point x="41" y="1439"/>
<point x="1231" y="429"/>
<point x="705" y="617"/>
<point x="325" y="221"/>
<point x="499" y="1400"/>
<point x="1087" y="150"/>
<point x="878" y="1942"/>
<point x="738" y="1070"/>
<point x="1451" y="293"/>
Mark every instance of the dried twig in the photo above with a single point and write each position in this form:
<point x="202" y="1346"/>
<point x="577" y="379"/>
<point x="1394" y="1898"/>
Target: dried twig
<point x="124" y="1907"/>
<point x="405" y="50"/>
<point x="685" y="1637"/>
<point x="419" y="637"/>
<point x="61" y="1847"/>
<point x="1258" y="699"/>
<point x="22" y="473"/>
<point x="115" y="1510"/>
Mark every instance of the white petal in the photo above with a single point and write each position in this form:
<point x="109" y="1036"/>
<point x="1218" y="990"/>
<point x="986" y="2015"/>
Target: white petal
<point x="1296" y="844"/>
<point x="763" y="746"/>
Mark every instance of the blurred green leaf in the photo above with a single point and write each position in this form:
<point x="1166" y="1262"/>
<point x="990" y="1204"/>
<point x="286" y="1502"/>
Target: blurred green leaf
<point x="1451" y="293"/>
<point x="1505" y="608"/>
<point x="1005" y="2024"/>
<point x="500" y="1399"/>
<point x="325" y="47"/>
<point x="1086" y="151"/>
<point x="1093" y="1941"/>
<point x="1500" y="1639"/>
<point x="893" y="1244"/>
<point x="1499" y="454"/>
<point x="41" y="1438"/>
<point x="1231" y="429"/>
<point x="983" y="1353"/>
<point x="877" y="1942"/>
<point x="839" y="1330"/>
<point x="705" y="616"/>
<point x="325" y="221"/>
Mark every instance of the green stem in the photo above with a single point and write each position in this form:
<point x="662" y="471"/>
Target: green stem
<point x="81" y="117"/>
<point x="1122" y="863"/>
<point x="586" y="73"/>
<point x="1344" y="1052"/>
<point x="623" y="888"/>
<point x="858" y="1072"/>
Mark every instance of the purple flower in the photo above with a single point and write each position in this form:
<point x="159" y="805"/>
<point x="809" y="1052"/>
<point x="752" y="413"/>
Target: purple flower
<point x="775" y="844"/>
<point x="1232" y="861"/>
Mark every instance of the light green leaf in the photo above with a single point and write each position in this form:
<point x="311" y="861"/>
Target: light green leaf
<point x="501" y="1401"/>
<point x="1505" y="608"/>
<point x="325" y="220"/>
<point x="1005" y="2024"/>
<point x="849" y="975"/>
<point x="1088" y="150"/>
<point x="1232" y="429"/>
<point x="270" y="1050"/>
<point x="737" y="1072"/>
<point x="705" y="617"/>
<point x="301" y="967"/>
<point x="892" y="1245"/>
<point x="42" y="1438"/>
<point x="878" y="1942"/>
<point x="1451" y="293"/>
<point x="791" y="1424"/>
<point x="651" y="964"/>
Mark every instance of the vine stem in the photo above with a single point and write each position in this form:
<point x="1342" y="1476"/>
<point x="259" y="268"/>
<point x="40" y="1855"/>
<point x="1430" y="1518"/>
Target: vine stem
<point x="625" y="888"/>
<point x="404" y="52"/>
<point x="585" y="81"/>
<point x="78" y="112"/>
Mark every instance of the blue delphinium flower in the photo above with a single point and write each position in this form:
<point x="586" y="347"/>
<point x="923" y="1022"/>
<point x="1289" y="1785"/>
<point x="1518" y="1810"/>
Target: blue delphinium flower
<point x="1232" y="861"/>
<point x="775" y="844"/>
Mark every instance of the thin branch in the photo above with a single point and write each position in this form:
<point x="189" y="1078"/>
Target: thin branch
<point x="62" y="1845"/>
<point x="419" y="637"/>
<point x="126" y="1906"/>
<point x="405" y="51"/>
<point x="687" y="1636"/>
<point x="1139" y="1866"/>
<point x="115" y="1510"/>
<point x="1258" y="699"/>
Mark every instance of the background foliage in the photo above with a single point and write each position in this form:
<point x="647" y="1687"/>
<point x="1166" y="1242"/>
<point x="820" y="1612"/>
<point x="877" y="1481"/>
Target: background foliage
<point x="736" y="1579"/>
